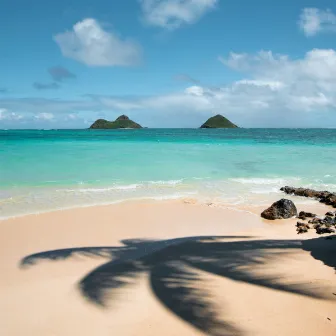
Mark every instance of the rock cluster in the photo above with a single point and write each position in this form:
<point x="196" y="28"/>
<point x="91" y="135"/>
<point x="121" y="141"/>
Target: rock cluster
<point x="280" y="210"/>
<point x="321" y="225"/>
<point x="285" y="208"/>
<point x="325" y="197"/>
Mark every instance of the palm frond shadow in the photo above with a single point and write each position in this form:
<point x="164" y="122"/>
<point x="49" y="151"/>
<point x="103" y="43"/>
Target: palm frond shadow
<point x="327" y="255"/>
<point x="174" y="267"/>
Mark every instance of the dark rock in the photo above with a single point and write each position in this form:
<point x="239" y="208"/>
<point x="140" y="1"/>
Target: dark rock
<point x="300" y="191"/>
<point x="282" y="209"/>
<point x="306" y="214"/>
<point x="328" y="220"/>
<point x="329" y="213"/>
<point x="299" y="224"/>
<point x="302" y="227"/>
<point x="324" y="229"/>
<point x="301" y="230"/>
<point x="325" y="197"/>
<point x="316" y="221"/>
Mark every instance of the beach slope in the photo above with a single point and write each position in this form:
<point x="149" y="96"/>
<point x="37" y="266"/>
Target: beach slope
<point x="168" y="268"/>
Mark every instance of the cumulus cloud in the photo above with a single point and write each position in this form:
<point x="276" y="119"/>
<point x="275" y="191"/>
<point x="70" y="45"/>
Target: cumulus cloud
<point x="306" y="84"/>
<point x="171" y="14"/>
<point x="59" y="73"/>
<point x="90" y="44"/>
<point x="261" y="61"/>
<point x="313" y="21"/>
<point x="317" y="65"/>
<point x="274" y="91"/>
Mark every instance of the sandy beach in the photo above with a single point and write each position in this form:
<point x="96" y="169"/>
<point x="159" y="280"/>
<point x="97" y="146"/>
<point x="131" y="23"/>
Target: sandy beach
<point x="167" y="168"/>
<point x="164" y="267"/>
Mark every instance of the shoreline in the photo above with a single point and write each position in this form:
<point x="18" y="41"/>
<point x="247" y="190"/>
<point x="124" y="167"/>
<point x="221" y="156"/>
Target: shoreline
<point x="195" y="199"/>
<point x="151" y="267"/>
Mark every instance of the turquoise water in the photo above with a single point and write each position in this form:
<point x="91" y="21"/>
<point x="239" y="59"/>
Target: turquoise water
<point x="43" y="170"/>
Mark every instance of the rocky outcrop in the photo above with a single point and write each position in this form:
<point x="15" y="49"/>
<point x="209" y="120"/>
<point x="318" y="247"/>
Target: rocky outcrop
<point x="282" y="209"/>
<point x="325" y="197"/>
<point x="121" y="122"/>
<point x="321" y="225"/>
<point x="218" y="121"/>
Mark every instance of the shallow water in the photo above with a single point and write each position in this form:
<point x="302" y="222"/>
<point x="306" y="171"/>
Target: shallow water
<point x="42" y="170"/>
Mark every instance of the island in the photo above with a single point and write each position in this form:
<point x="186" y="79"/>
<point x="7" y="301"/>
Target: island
<point x="121" y="122"/>
<point x="218" y="121"/>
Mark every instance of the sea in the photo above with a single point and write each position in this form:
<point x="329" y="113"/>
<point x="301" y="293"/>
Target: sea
<point x="44" y="170"/>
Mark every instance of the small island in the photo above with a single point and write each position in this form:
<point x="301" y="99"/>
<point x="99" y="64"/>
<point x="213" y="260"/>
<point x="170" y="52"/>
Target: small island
<point x="218" y="121"/>
<point x="121" y="122"/>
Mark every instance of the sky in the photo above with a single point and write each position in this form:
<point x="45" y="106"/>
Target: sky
<point x="167" y="63"/>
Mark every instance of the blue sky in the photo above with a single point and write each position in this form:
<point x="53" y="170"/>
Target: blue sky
<point x="167" y="63"/>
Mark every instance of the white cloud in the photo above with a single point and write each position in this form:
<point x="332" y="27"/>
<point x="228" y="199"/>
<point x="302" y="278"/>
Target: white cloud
<point x="256" y="63"/>
<point x="72" y="116"/>
<point x="2" y="113"/>
<point x="45" y="116"/>
<point x="317" y="65"/>
<point x="275" y="91"/>
<point x="273" y="85"/>
<point x="195" y="90"/>
<point x="313" y="21"/>
<point x="306" y="84"/>
<point x="90" y="44"/>
<point x="6" y="115"/>
<point x="171" y="14"/>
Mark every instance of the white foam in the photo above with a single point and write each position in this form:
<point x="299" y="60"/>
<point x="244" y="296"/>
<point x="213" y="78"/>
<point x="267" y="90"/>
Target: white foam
<point x="265" y="191"/>
<point x="168" y="182"/>
<point x="123" y="187"/>
<point x="257" y="180"/>
<point x="101" y="190"/>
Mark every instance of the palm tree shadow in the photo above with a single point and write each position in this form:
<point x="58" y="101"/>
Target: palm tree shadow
<point x="327" y="254"/>
<point x="174" y="267"/>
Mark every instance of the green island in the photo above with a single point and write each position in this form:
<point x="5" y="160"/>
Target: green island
<point x="218" y="121"/>
<point x="121" y="122"/>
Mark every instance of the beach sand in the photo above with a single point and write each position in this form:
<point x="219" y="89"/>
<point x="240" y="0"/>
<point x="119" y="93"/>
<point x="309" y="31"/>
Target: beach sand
<point x="164" y="268"/>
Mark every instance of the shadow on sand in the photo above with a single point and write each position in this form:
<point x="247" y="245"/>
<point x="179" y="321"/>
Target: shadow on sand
<point x="174" y="268"/>
<point x="323" y="249"/>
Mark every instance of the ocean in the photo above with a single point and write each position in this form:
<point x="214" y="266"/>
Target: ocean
<point x="43" y="170"/>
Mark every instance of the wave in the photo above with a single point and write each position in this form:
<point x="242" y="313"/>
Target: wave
<point x="235" y="191"/>
<point x="259" y="180"/>
<point x="101" y="190"/>
<point x="169" y="182"/>
<point x="133" y="186"/>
